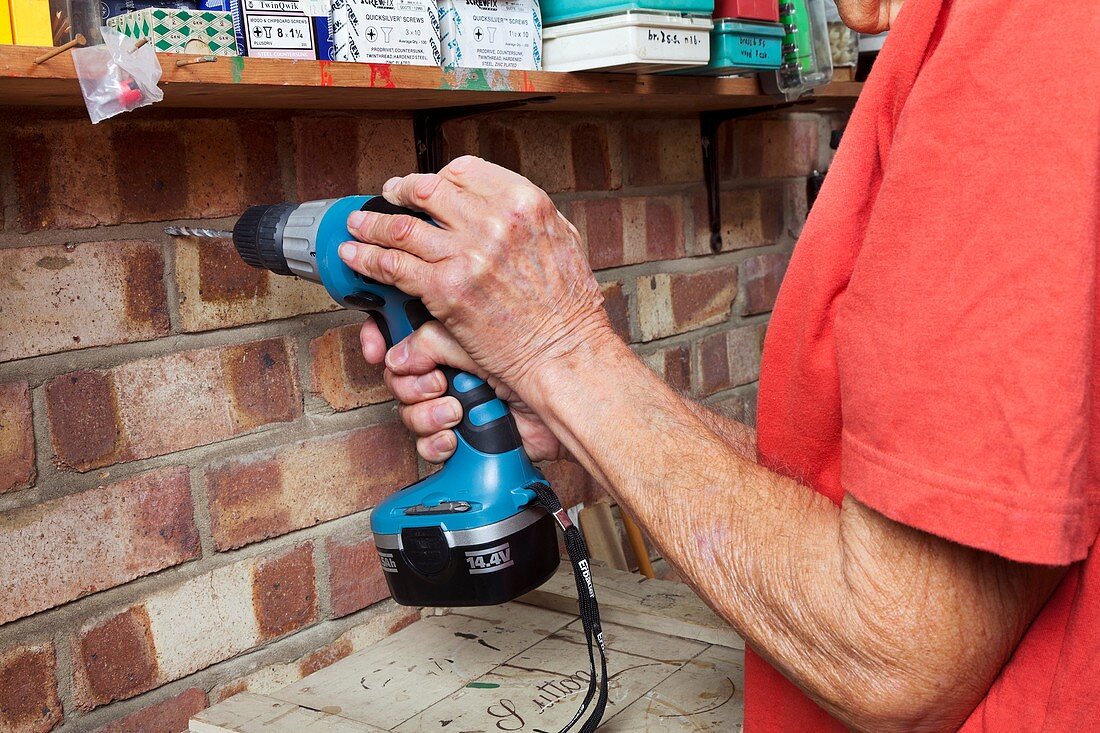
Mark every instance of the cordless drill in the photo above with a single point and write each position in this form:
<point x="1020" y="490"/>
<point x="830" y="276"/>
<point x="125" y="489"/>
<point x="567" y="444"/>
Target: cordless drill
<point x="473" y="533"/>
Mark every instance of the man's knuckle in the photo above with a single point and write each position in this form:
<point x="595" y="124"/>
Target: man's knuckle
<point x="390" y="265"/>
<point x="426" y="186"/>
<point x="402" y="228"/>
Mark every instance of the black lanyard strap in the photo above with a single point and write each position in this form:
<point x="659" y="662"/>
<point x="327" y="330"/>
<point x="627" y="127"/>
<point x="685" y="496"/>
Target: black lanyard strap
<point x="586" y="605"/>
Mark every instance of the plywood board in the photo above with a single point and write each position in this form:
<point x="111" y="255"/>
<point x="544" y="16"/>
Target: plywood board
<point x="514" y="667"/>
<point x="250" y="713"/>
<point x="626" y="598"/>
<point x="704" y="695"/>
<point x="541" y="688"/>
<point x="403" y="674"/>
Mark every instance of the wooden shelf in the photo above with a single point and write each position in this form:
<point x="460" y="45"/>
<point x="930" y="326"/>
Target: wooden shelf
<point x="249" y="83"/>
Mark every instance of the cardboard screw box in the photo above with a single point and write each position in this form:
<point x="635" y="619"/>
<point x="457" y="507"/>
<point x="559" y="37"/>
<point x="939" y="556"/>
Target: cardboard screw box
<point x="180" y="31"/>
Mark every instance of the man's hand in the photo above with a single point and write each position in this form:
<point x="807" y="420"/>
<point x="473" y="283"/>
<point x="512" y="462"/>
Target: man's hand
<point x="413" y="376"/>
<point x="504" y="270"/>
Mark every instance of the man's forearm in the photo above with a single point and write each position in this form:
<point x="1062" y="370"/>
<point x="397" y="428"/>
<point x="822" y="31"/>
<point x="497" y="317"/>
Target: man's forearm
<point x="738" y="436"/>
<point x="847" y="604"/>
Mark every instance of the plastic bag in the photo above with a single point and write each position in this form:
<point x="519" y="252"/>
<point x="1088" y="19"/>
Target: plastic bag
<point x="115" y="78"/>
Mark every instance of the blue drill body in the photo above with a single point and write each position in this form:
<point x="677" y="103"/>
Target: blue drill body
<point x="471" y="533"/>
<point x="494" y="484"/>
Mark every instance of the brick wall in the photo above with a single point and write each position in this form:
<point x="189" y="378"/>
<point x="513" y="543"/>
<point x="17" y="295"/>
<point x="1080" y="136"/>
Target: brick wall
<point x="189" y="448"/>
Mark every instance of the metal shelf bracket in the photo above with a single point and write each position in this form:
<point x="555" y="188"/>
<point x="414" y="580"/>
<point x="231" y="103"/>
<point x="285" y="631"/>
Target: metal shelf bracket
<point x="709" y="123"/>
<point x="428" y="128"/>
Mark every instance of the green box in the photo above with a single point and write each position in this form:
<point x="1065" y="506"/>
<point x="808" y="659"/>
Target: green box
<point x="181" y="31"/>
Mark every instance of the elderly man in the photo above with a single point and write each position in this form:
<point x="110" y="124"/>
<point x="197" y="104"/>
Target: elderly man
<point x="905" y="543"/>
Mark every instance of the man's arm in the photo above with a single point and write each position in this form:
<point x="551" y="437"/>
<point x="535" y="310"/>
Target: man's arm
<point x="885" y="626"/>
<point x="737" y="436"/>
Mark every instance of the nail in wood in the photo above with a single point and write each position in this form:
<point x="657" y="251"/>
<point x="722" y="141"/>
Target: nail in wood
<point x="78" y="41"/>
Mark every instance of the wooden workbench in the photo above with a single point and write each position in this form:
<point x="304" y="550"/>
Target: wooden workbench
<point x="673" y="666"/>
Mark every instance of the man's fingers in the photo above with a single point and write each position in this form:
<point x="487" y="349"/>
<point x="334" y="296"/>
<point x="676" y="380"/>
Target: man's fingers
<point x="374" y="346"/>
<point x="428" y="346"/>
<point x="437" y="448"/>
<point x="432" y="416"/>
<point x="390" y="266"/>
<point x="413" y="388"/>
<point x="428" y="192"/>
<point x="400" y="231"/>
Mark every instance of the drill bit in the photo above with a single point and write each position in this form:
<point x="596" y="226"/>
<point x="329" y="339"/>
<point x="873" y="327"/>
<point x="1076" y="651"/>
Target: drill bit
<point x="196" y="232"/>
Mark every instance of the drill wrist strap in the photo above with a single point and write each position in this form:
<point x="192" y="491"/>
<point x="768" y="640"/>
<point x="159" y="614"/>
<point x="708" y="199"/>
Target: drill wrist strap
<point x="586" y="603"/>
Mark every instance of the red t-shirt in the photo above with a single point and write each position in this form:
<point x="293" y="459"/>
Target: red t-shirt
<point x="935" y="348"/>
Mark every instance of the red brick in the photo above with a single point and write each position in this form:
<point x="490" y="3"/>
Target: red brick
<point x="71" y="174"/>
<point x="230" y="164"/>
<point x="114" y="660"/>
<point x="262" y="386"/>
<point x="386" y="149"/>
<point x="340" y="374"/>
<point x="571" y="483"/>
<point x="500" y="144"/>
<point x="59" y="298"/>
<point x="154" y="159"/>
<point x="284" y="593"/>
<point x="355" y="576"/>
<point x="325" y="656"/>
<point x="168" y="716"/>
<point x="556" y="152"/>
<point x="617" y="305"/>
<point x="28" y="690"/>
<point x="98" y="539"/>
<point x="16" y="437"/>
<point x="662" y="151"/>
<point x="325" y="151"/>
<point x="600" y="223"/>
<point x="673" y="364"/>
<point x="630" y="230"/>
<point x="194" y="168"/>
<point x="763" y="276"/>
<point x="702" y="298"/>
<point x="745" y="347"/>
<point x="306" y="483"/>
<point x="48" y="193"/>
<point x="592" y="167"/>
<point x="217" y="289"/>
<point x="751" y="217"/>
<point x="259" y="161"/>
<point x="739" y="407"/>
<point x="164" y="404"/>
<point x="771" y="148"/>
<point x="678" y="302"/>
<point x="714" y="365"/>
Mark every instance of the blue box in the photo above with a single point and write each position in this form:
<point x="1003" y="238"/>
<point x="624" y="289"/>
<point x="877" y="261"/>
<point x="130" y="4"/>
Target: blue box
<point x="736" y="46"/>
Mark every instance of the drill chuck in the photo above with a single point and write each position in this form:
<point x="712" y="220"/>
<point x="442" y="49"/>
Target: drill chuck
<point x="258" y="236"/>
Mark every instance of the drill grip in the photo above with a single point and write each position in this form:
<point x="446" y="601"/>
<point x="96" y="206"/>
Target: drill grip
<point x="487" y="425"/>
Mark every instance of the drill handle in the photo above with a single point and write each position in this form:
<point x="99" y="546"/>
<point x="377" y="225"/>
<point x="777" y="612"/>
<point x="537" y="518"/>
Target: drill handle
<point x="487" y="425"/>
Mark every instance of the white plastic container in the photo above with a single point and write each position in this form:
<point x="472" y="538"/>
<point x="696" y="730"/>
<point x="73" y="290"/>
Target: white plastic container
<point x="634" y="42"/>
